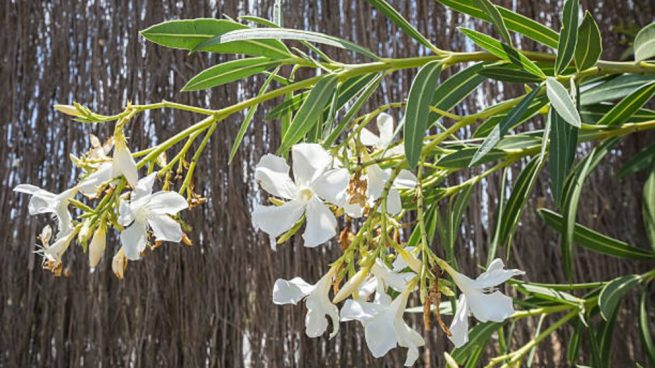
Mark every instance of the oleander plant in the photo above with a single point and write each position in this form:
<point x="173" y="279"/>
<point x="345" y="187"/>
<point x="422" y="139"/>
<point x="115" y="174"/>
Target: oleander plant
<point x="376" y="181"/>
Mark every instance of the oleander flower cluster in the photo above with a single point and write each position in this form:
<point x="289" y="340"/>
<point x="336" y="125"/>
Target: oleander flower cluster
<point x="127" y="203"/>
<point x="309" y="197"/>
<point x="353" y="193"/>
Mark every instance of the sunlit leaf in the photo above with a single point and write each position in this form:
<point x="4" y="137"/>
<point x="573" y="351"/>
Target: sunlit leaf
<point x="287" y="34"/>
<point x="227" y="72"/>
<point x="562" y="102"/>
<point x="644" y="45"/>
<point x="189" y="34"/>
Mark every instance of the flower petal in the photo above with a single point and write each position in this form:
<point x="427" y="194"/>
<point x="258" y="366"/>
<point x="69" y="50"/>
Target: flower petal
<point x="385" y="127"/>
<point x="275" y="220"/>
<point x="290" y="291"/>
<point x="459" y="327"/>
<point x="405" y="180"/>
<point x="331" y="184"/>
<point x="318" y="306"/>
<point x="125" y="214"/>
<point x="143" y="187"/>
<point x="395" y="280"/>
<point x="272" y="173"/>
<point x="495" y="307"/>
<point x="123" y="164"/>
<point x="133" y="239"/>
<point x="368" y="138"/>
<point x="376" y="179"/>
<point x="41" y="202"/>
<point x="496" y="274"/>
<point x="363" y="312"/>
<point x="394" y="204"/>
<point x="352" y="210"/>
<point x="169" y="203"/>
<point x="321" y="224"/>
<point x="165" y="228"/>
<point x="380" y="334"/>
<point x="309" y="161"/>
<point x="90" y="185"/>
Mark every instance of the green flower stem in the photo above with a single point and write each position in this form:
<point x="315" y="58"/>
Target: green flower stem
<point x="541" y="311"/>
<point x="194" y="161"/>
<point x="516" y="356"/>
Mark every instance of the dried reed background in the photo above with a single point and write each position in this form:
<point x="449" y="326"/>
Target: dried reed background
<point x="210" y="305"/>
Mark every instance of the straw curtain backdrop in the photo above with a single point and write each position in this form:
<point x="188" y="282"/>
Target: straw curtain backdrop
<point x="210" y="304"/>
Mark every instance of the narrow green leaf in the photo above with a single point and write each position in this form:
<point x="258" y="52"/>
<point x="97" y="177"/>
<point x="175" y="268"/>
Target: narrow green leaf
<point x="571" y="199"/>
<point x="287" y="34"/>
<point x="591" y="114"/>
<point x="550" y="294"/>
<point x="309" y="113"/>
<point x="418" y="110"/>
<point x="286" y="106"/>
<point x="487" y="126"/>
<point x="496" y="19"/>
<point x="573" y="347"/>
<point x="568" y="36"/>
<point x="227" y="72"/>
<point x="454" y="216"/>
<point x="451" y="92"/>
<point x="641" y="161"/>
<point x="613" y="292"/>
<point x="248" y="119"/>
<point x="645" y="330"/>
<point x="516" y="202"/>
<point x="648" y="206"/>
<point x="505" y="124"/>
<point x="590" y="44"/>
<point x="363" y="96"/>
<point x="628" y="105"/>
<point x="402" y="23"/>
<point x="562" y="102"/>
<point x="500" y="209"/>
<point x="514" y="22"/>
<point x="508" y="73"/>
<point x="461" y="159"/>
<point x="614" y="88"/>
<point x="645" y="43"/>
<point x="595" y="241"/>
<point x="563" y="142"/>
<point x="503" y="51"/>
<point x="188" y="34"/>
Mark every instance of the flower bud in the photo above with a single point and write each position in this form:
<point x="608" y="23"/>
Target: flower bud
<point x="68" y="110"/>
<point x="97" y="246"/>
<point x="351" y="285"/>
<point x="119" y="264"/>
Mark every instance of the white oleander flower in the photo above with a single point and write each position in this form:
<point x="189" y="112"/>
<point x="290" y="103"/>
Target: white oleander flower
<point x="122" y="164"/>
<point x="480" y="298"/>
<point x="377" y="179"/>
<point x="384" y="139"/>
<point x="43" y="201"/>
<point x="52" y="254"/>
<point x="315" y="181"/>
<point x="317" y="301"/>
<point x="147" y="210"/>
<point x="384" y="327"/>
